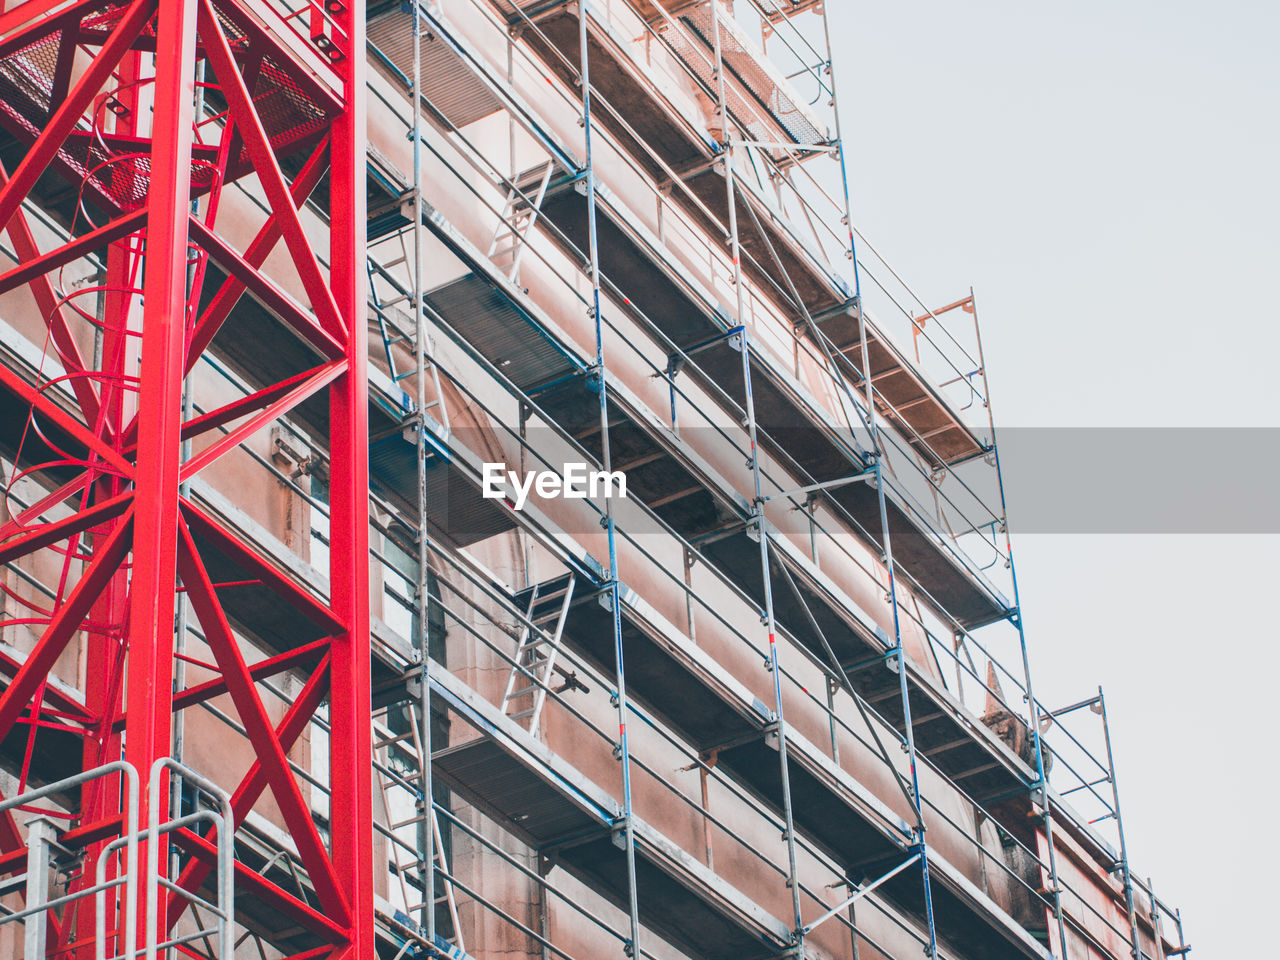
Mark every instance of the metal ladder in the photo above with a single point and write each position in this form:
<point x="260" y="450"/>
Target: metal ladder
<point x="408" y="854"/>
<point x="518" y="218"/>
<point x="537" y="650"/>
<point x="445" y="893"/>
<point x="392" y="308"/>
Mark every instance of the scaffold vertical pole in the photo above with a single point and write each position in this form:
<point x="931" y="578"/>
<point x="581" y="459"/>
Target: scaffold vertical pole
<point x="1157" y="927"/>
<point x="632" y="948"/>
<point x="877" y="451"/>
<point x="1126" y="875"/>
<point x="422" y="585"/>
<point x="41" y="835"/>
<point x="758" y="514"/>
<point x="1041" y="786"/>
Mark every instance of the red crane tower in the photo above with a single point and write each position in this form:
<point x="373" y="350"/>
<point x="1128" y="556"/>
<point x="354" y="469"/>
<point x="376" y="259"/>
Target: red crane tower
<point x="144" y="112"/>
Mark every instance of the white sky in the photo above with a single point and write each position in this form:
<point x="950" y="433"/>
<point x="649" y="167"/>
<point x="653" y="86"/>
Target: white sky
<point x="1105" y="175"/>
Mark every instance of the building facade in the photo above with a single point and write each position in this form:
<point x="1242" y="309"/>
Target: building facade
<point x="288" y="284"/>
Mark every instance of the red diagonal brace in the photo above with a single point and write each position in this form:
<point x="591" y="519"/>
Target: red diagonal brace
<point x="256" y="887"/>
<point x="255" y="423"/>
<point x="250" y="789"/>
<point x="265" y="30"/>
<point x="275" y="299"/>
<point x="245" y="405"/>
<point x="24" y="244"/>
<point x="35" y="264"/>
<point x="45" y="534"/>
<point x="262" y="670"/>
<point x="267" y="747"/>
<point x="37" y="400"/>
<point x="24" y="13"/>
<point x="61" y="701"/>
<point x="65" y="622"/>
<point x="258" y="145"/>
<point x="22" y="521"/>
<point x="259" y="567"/>
<point x="229" y="293"/>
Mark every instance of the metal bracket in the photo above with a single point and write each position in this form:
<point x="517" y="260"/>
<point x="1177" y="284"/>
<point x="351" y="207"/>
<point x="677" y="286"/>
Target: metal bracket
<point x="618" y="833"/>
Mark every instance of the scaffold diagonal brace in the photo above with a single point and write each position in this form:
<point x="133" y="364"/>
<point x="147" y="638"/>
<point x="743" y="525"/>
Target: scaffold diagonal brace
<point x="860" y="893"/>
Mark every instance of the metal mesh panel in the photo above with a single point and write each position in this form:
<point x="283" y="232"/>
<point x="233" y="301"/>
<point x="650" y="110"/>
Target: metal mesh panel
<point x="26" y="81"/>
<point x="287" y="113"/>
<point x="26" y="90"/>
<point x="125" y="178"/>
<point x="114" y="170"/>
<point x="104" y="20"/>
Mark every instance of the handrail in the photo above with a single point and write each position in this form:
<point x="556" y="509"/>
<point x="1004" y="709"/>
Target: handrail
<point x="129" y="840"/>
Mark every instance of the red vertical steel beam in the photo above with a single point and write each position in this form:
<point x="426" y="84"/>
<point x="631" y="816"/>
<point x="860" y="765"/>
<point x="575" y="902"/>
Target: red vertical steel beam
<point x="351" y="739"/>
<point x="149" y="692"/>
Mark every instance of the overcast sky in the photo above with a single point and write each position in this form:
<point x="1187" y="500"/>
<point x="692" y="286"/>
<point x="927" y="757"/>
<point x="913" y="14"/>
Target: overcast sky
<point x="1105" y="176"/>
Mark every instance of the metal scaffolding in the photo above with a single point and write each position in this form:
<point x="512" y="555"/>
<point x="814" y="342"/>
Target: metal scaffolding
<point x="533" y="195"/>
<point x="757" y="708"/>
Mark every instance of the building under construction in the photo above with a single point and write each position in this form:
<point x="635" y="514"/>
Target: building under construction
<point x="301" y="302"/>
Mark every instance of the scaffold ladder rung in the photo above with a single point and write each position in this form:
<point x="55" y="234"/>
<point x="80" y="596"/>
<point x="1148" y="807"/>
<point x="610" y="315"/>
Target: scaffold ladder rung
<point x="537" y="649"/>
<point x="518" y="218"/>
<point x="426" y="833"/>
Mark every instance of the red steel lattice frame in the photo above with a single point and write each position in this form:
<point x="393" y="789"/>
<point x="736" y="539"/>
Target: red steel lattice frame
<point x="110" y="442"/>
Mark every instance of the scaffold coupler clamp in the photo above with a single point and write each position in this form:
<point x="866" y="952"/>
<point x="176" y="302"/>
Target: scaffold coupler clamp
<point x="770" y="732"/>
<point x="413" y="680"/>
<point x="618" y="832"/>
